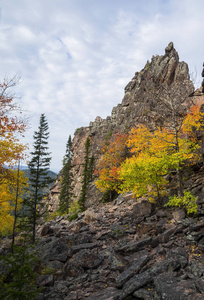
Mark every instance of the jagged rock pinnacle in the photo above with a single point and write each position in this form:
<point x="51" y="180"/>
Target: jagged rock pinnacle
<point x="138" y="106"/>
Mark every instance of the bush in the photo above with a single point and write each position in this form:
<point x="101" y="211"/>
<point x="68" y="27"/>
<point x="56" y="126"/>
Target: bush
<point x="73" y="210"/>
<point x="187" y="201"/>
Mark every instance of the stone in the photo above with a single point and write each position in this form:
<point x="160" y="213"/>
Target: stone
<point x="134" y="247"/>
<point x="91" y="216"/>
<point x="167" y="287"/>
<point x="110" y="293"/>
<point x="79" y="247"/>
<point x="55" y="250"/>
<point x="199" y="283"/>
<point x="45" y="230"/>
<point x="179" y="215"/>
<point x="45" y="280"/>
<point x="146" y="227"/>
<point x="132" y="270"/>
<point x="142" y="209"/>
<point x="72" y="270"/>
<point x="197" y="269"/>
<point x="165" y="266"/>
<point x="88" y="260"/>
<point x="144" y="294"/>
<point x="133" y="284"/>
<point x="116" y="262"/>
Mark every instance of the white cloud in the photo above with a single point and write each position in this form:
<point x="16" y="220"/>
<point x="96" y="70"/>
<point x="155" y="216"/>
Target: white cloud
<point x="76" y="57"/>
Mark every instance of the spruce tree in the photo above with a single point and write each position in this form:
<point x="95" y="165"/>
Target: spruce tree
<point x="19" y="279"/>
<point x="87" y="174"/>
<point x="39" y="178"/>
<point x="66" y="194"/>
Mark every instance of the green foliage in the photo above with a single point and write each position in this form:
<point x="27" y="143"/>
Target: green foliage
<point x="66" y="194"/>
<point x="51" y="216"/>
<point x="73" y="211"/>
<point x="18" y="282"/>
<point x="86" y="174"/>
<point x="77" y="130"/>
<point x="73" y="217"/>
<point x="109" y="195"/>
<point x="47" y="270"/>
<point x="74" y="207"/>
<point x="107" y="138"/>
<point x="187" y="201"/>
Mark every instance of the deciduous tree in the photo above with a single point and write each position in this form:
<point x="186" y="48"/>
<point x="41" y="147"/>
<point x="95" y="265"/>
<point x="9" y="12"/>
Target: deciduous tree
<point x="11" y="126"/>
<point x="114" y="153"/>
<point x="157" y="152"/>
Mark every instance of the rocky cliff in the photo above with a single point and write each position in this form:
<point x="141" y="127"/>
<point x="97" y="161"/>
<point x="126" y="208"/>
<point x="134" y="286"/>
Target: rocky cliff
<point x="140" y="104"/>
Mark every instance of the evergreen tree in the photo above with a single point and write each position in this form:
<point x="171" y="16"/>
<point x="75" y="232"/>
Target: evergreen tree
<point x="67" y="178"/>
<point x="18" y="280"/>
<point x="87" y="174"/>
<point x="39" y="178"/>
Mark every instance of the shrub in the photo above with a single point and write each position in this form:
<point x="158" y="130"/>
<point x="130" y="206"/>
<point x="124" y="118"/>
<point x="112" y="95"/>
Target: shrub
<point x="187" y="201"/>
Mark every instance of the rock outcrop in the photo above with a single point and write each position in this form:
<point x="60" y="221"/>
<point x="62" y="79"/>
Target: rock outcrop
<point x="140" y="104"/>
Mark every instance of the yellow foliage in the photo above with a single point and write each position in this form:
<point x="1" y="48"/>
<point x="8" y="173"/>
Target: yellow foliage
<point x="8" y="192"/>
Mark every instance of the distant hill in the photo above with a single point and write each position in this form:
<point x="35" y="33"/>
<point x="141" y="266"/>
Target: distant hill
<point x="52" y="174"/>
<point x="27" y="173"/>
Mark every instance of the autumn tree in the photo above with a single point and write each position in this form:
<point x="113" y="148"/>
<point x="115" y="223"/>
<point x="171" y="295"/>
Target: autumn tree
<point x="12" y="127"/>
<point x="155" y="154"/>
<point x="9" y="206"/>
<point x="173" y="101"/>
<point x="66" y="194"/>
<point x="39" y="177"/>
<point x="114" y="152"/>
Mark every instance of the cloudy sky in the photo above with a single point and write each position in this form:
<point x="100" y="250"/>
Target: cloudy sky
<point x="76" y="56"/>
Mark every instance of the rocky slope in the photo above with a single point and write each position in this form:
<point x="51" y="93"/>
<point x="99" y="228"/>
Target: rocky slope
<point x="140" y="104"/>
<point x="126" y="250"/>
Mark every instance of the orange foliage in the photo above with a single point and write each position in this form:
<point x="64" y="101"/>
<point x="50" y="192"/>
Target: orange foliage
<point x="11" y="151"/>
<point x="114" y="154"/>
<point x="11" y="124"/>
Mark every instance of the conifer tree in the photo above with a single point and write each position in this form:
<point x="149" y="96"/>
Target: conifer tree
<point x="67" y="178"/>
<point x="87" y="174"/>
<point x="19" y="279"/>
<point x="39" y="178"/>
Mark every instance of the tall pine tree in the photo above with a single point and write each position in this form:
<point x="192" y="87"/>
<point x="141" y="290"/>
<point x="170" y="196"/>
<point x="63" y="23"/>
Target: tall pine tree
<point x="39" y="178"/>
<point x="66" y="194"/>
<point x="87" y="174"/>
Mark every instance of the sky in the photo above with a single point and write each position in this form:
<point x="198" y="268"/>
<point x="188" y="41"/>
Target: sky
<point x="75" y="57"/>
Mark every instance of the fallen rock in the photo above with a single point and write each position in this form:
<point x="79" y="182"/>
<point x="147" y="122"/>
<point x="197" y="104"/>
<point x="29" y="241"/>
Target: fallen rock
<point x="110" y="293"/>
<point x="132" y="270"/>
<point x="88" y="260"/>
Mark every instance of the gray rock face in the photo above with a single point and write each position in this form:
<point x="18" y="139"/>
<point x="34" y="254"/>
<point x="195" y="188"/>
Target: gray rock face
<point x="139" y="105"/>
